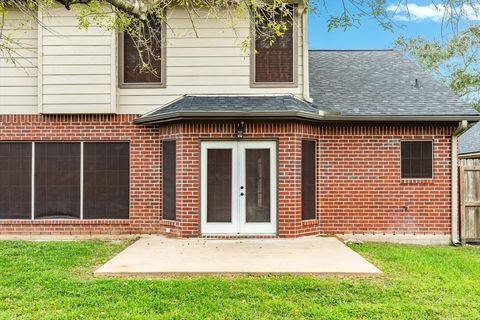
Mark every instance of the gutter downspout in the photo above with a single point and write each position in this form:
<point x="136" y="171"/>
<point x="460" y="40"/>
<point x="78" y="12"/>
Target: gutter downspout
<point x="455" y="235"/>
<point x="306" y="85"/>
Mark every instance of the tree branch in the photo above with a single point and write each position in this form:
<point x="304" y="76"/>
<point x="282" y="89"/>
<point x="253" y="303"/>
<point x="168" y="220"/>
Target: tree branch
<point x="137" y="8"/>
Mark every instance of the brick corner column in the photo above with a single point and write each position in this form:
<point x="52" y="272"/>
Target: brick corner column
<point x="289" y="185"/>
<point x="188" y="185"/>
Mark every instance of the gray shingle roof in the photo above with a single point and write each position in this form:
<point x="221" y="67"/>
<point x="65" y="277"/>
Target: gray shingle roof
<point x="220" y="105"/>
<point x="360" y="83"/>
<point x="240" y="104"/>
<point x="344" y="85"/>
<point x="469" y="142"/>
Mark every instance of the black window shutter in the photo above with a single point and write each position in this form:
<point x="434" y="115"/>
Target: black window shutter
<point x="169" y="179"/>
<point x="308" y="180"/>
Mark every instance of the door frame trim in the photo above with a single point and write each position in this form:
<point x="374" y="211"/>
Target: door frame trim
<point x="276" y="187"/>
<point x="233" y="224"/>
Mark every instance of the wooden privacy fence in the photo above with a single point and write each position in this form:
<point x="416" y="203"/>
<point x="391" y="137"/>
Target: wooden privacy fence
<point x="470" y="200"/>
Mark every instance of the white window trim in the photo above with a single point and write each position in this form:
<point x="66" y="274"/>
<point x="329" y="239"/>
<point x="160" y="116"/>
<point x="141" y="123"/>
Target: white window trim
<point x="32" y="200"/>
<point x="81" y="180"/>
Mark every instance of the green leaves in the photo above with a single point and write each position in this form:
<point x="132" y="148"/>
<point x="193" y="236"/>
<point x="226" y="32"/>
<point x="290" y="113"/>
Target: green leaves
<point x="455" y="62"/>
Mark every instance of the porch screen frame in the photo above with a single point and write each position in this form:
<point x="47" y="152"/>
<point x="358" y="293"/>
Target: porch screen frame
<point x="22" y="177"/>
<point x="81" y="184"/>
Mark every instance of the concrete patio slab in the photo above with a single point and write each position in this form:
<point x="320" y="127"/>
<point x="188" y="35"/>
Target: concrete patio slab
<point x="157" y="256"/>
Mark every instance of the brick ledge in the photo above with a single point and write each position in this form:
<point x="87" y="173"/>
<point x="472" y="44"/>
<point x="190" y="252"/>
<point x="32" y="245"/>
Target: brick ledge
<point x="417" y="182"/>
<point x="66" y="222"/>
<point x="170" y="223"/>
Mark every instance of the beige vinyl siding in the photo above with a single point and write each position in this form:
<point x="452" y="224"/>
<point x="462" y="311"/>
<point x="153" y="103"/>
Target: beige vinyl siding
<point x="212" y="63"/>
<point x="18" y="82"/>
<point x="77" y="66"/>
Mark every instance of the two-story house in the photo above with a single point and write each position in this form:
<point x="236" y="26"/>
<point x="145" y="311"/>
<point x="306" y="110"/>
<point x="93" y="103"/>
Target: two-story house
<point x="282" y="142"/>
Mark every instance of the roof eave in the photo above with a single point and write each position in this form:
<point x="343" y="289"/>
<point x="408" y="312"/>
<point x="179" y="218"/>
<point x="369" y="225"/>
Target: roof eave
<point x="322" y="115"/>
<point x="469" y="155"/>
<point x="405" y="118"/>
<point x="173" y="116"/>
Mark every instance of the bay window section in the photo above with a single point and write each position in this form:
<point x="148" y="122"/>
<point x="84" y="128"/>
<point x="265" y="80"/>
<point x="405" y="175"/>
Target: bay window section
<point x="309" y="188"/>
<point x="169" y="181"/>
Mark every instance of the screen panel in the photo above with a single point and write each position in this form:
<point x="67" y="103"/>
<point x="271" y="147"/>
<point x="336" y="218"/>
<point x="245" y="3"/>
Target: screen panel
<point x="15" y="180"/>
<point x="417" y="159"/>
<point x="169" y="179"/>
<point x="308" y="180"/>
<point x="57" y="180"/>
<point x="106" y="180"/>
<point x="257" y="187"/>
<point x="219" y="185"/>
<point x="151" y="53"/>
<point x="274" y="55"/>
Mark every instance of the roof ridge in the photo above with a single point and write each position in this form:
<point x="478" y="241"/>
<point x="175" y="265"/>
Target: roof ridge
<point x="350" y="50"/>
<point x="238" y="95"/>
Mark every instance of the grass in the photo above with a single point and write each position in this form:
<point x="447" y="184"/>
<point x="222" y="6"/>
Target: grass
<point x="53" y="280"/>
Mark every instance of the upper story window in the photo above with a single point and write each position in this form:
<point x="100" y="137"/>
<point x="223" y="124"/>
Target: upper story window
<point x="274" y="58"/>
<point x="142" y="58"/>
<point x="417" y="159"/>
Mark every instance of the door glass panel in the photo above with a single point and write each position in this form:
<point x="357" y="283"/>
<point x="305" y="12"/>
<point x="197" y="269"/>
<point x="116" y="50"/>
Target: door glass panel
<point x="257" y="177"/>
<point x="219" y="185"/>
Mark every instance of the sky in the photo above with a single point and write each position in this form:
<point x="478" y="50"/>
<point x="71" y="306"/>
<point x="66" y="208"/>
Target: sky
<point x="421" y="19"/>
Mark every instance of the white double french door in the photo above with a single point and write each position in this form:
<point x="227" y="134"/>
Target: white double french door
<point x="238" y="187"/>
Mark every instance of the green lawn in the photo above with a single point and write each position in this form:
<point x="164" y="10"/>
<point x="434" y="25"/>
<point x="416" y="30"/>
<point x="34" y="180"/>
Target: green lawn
<point x="53" y="280"/>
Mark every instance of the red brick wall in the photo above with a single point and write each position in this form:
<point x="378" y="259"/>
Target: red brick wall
<point x="188" y="163"/>
<point x="360" y="185"/>
<point x="358" y="177"/>
<point x="144" y="171"/>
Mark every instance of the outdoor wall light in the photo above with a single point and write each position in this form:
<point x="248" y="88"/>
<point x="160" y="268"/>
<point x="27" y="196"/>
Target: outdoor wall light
<point x="240" y="129"/>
